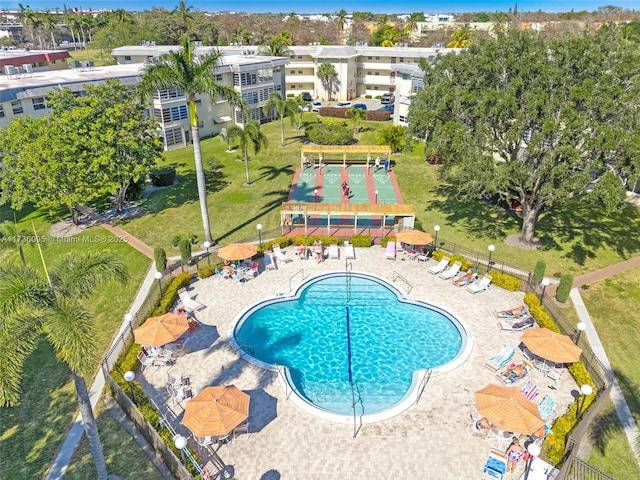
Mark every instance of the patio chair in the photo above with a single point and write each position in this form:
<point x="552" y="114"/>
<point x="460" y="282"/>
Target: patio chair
<point x="145" y="361"/>
<point x="349" y="251"/>
<point x="269" y="263"/>
<point x="516" y="325"/>
<point x="242" y="428"/>
<point x="334" y="251"/>
<point x="473" y="426"/>
<point x="530" y="390"/>
<point x="451" y="272"/>
<point x="480" y="286"/>
<point x="465" y="279"/>
<point x="495" y="466"/>
<point x="189" y="303"/>
<point x="547" y="408"/>
<point x="555" y="374"/>
<point x="280" y="254"/>
<point x="439" y="268"/>
<point x="498" y="361"/>
<point x="390" y="251"/>
<point x="252" y="272"/>
<point x="517" y="312"/>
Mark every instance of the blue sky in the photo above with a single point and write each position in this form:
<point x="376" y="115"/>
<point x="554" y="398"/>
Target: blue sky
<point x="376" y="6"/>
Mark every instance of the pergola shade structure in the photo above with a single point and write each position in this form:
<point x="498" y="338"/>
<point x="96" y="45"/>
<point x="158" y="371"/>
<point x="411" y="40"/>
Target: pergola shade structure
<point x="296" y="214"/>
<point x="310" y="154"/>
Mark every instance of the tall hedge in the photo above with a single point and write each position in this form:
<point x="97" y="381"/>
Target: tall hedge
<point x="538" y="271"/>
<point x="185" y="250"/>
<point x="566" y="283"/>
<point x="160" y="256"/>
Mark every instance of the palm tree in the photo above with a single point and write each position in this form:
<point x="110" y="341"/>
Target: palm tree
<point x="13" y="236"/>
<point x="49" y="23"/>
<point x="282" y="107"/>
<point x="412" y="23"/>
<point x="193" y="76"/>
<point x="276" y="46"/>
<point x="357" y="115"/>
<point x="250" y="135"/>
<point x="461" y="38"/>
<point x="184" y="13"/>
<point x="32" y="304"/>
<point x="327" y="74"/>
<point x="342" y="19"/>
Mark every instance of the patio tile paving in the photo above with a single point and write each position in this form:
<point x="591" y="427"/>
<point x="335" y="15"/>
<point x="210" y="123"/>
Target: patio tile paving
<point x="429" y="439"/>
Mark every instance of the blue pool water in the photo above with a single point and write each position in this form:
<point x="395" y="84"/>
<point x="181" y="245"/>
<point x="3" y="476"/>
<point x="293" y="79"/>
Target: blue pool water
<point x="389" y="340"/>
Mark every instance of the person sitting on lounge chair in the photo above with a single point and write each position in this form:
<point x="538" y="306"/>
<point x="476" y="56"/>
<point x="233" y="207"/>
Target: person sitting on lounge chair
<point x="464" y="279"/>
<point x="517" y="312"/>
<point x="510" y="375"/>
<point x="483" y="425"/>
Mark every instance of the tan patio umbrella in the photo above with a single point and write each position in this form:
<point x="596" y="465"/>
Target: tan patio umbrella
<point x="156" y="331"/>
<point x="508" y="409"/>
<point x="216" y="411"/>
<point x="238" y="251"/>
<point x="414" y="237"/>
<point x="551" y="345"/>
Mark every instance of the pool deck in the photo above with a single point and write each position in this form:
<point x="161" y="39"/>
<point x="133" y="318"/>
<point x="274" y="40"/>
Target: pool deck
<point x="429" y="440"/>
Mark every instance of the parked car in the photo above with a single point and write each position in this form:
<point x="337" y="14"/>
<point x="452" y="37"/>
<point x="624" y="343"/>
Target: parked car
<point x="386" y="108"/>
<point x="306" y="96"/>
<point x="343" y="104"/>
<point x="387" y="98"/>
<point x="360" y="106"/>
<point x="316" y="106"/>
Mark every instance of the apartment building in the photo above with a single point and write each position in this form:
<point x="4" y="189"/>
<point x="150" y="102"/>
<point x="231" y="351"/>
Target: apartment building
<point x="409" y="81"/>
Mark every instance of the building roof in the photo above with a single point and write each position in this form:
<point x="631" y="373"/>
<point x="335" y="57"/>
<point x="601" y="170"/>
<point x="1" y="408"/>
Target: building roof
<point x="23" y="56"/>
<point x="312" y="208"/>
<point x="344" y="149"/>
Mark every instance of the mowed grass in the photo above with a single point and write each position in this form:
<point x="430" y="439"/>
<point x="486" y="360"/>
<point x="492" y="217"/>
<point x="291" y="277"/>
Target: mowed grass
<point x="576" y="237"/>
<point x="122" y="453"/>
<point x="32" y="431"/>
<point x="612" y="304"/>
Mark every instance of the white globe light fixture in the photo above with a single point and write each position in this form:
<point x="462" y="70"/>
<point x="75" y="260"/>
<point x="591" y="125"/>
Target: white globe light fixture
<point x="259" y="227"/>
<point x="491" y="248"/>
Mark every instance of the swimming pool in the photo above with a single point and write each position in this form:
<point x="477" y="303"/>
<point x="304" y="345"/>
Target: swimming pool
<point x="341" y="330"/>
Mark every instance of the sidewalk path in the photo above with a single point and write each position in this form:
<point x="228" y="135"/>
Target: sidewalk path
<point x="606" y="272"/>
<point x="622" y="409"/>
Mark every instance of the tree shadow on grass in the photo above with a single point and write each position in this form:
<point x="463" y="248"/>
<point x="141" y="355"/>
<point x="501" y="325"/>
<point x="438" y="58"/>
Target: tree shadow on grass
<point x="271" y="172"/>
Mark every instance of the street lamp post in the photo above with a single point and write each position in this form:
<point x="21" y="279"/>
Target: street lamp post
<point x="586" y="390"/>
<point x="491" y="249"/>
<point x="128" y="317"/>
<point x="436" y="228"/>
<point x="206" y="245"/>
<point x="259" y="227"/>
<point x="129" y="376"/>
<point x="534" y="451"/>
<point x="545" y="283"/>
<point x="158" y="277"/>
<point x="376" y="192"/>
<point x="180" y="443"/>
<point x="581" y="326"/>
<point x="315" y="195"/>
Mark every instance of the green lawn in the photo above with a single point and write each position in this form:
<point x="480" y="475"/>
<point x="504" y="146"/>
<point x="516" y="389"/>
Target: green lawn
<point x="609" y="303"/>
<point x="122" y="453"/>
<point x="32" y="431"/>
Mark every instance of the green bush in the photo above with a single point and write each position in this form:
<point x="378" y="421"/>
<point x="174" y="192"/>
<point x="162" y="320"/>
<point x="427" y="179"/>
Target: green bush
<point x="538" y="271"/>
<point x="160" y="256"/>
<point x="185" y="250"/>
<point x="566" y="283"/>
<point x="162" y="177"/>
<point x="385" y="241"/>
<point x="327" y="134"/>
<point x="207" y="271"/>
<point x="505" y="281"/>
<point x="368" y="96"/>
<point x="171" y="293"/>
<point x="361" y="241"/>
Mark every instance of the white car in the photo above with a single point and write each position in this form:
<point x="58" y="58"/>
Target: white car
<point x="316" y="106"/>
<point x="343" y="104"/>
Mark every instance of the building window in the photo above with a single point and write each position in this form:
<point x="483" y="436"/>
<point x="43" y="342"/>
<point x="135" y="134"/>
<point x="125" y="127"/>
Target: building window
<point x="173" y="114"/>
<point x="16" y="106"/>
<point x="377" y="58"/>
<point x="127" y="58"/>
<point x="1" y="111"/>
<point x="266" y="74"/>
<point x="417" y="84"/>
<point x="403" y="119"/>
<point x="299" y="72"/>
<point x="168" y="94"/>
<point x="377" y="73"/>
<point x="198" y="102"/>
<point x="244" y="79"/>
<point x="401" y="60"/>
<point x="173" y="137"/>
<point x="218" y="77"/>
<point x="369" y="58"/>
<point x="38" y="103"/>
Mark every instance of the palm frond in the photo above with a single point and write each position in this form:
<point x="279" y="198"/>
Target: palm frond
<point x="17" y="342"/>
<point x="76" y="276"/>
<point x="69" y="329"/>
<point x="22" y="286"/>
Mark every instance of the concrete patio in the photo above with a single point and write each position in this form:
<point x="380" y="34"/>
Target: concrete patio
<point x="429" y="440"/>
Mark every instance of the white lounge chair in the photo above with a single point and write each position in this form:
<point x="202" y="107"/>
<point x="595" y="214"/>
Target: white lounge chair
<point x="498" y="361"/>
<point x="189" y="303"/>
<point x="279" y="254"/>
<point x="481" y="285"/>
<point x="334" y="251"/>
<point x="439" y="268"/>
<point x="451" y="272"/>
<point x="349" y="251"/>
<point x="516" y="325"/>
<point x="144" y="360"/>
<point x="547" y="408"/>
<point x="390" y="252"/>
<point x="269" y="263"/>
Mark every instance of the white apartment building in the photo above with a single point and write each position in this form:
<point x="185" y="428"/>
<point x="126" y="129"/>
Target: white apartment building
<point x="409" y="81"/>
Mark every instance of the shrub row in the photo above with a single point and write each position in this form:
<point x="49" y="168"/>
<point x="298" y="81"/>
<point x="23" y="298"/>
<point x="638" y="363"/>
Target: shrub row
<point x="326" y="134"/>
<point x="555" y="444"/>
<point x="505" y="281"/>
<point x="337" y="112"/>
<point x="171" y="293"/>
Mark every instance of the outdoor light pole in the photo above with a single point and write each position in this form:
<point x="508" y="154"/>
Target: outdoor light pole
<point x="315" y="195"/>
<point x="491" y="249"/>
<point x="534" y="451"/>
<point x="436" y="228"/>
<point x="581" y="326"/>
<point x="129" y="376"/>
<point x="128" y="317"/>
<point x="585" y="390"/>
<point x="206" y="245"/>
<point x="259" y="227"/>
<point x="545" y="283"/>
<point x="376" y="192"/>
<point x="158" y="276"/>
<point x="180" y="443"/>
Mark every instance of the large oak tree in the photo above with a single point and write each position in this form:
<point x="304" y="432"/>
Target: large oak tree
<point x="539" y="120"/>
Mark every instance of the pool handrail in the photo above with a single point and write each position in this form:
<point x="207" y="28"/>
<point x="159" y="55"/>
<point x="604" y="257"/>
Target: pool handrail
<point x="396" y="275"/>
<point x="293" y="276"/>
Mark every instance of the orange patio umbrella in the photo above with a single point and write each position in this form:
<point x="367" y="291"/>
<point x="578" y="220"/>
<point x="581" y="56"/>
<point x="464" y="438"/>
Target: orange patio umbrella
<point x="216" y="411"/>
<point x="156" y="331"/>
<point x="508" y="409"/>
<point x="238" y="251"/>
<point x="414" y="237"/>
<point x="551" y="345"/>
